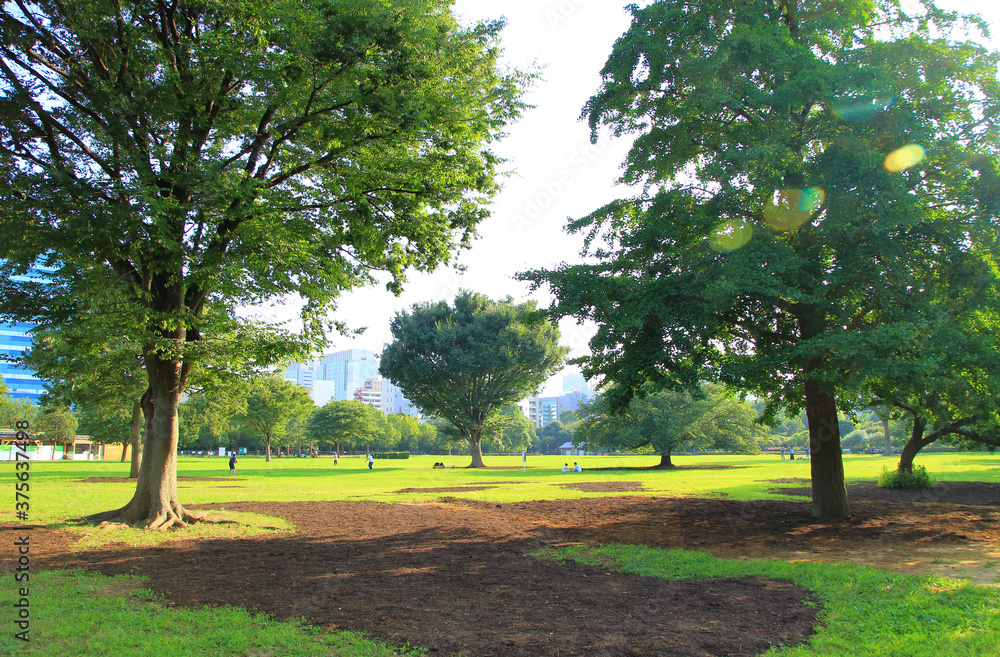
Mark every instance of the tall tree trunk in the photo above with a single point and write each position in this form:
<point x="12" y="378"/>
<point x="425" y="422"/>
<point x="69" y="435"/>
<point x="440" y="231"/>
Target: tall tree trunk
<point x="135" y="434"/>
<point x="829" y="494"/>
<point x="888" y="442"/>
<point x="475" y="449"/>
<point x="154" y="504"/>
<point x="665" y="462"/>
<point x="267" y="447"/>
<point x="125" y="446"/>
<point x="916" y="443"/>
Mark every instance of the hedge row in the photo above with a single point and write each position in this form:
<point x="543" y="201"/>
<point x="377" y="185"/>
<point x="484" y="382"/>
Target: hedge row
<point x="391" y="455"/>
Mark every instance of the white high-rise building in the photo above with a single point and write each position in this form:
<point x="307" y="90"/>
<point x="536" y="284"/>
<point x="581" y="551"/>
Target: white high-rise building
<point x="393" y="400"/>
<point x="370" y="393"/>
<point x="336" y="375"/>
<point x="529" y="409"/>
<point x="301" y="373"/>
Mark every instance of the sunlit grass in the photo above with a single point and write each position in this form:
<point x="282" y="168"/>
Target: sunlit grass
<point x="219" y="525"/>
<point x="59" y="490"/>
<point x="865" y="611"/>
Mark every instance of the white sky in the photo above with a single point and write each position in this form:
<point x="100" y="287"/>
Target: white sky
<point x="556" y="173"/>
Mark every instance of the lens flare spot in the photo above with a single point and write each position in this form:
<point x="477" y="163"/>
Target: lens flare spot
<point x="731" y="235"/>
<point x="812" y="199"/>
<point x="905" y="157"/>
<point x="790" y="208"/>
<point x="861" y="109"/>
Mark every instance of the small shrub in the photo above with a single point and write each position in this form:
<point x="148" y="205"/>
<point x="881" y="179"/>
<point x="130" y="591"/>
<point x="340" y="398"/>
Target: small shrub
<point x="916" y="480"/>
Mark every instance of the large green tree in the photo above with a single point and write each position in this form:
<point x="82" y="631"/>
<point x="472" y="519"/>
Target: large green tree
<point x="13" y="410"/>
<point x="56" y="424"/>
<point x="465" y="362"/>
<point x="408" y="428"/>
<point x="666" y="421"/>
<point x="552" y="436"/>
<point x="347" y="421"/>
<point x="193" y="153"/>
<point x="803" y="170"/>
<point x="271" y="403"/>
<point x="946" y="381"/>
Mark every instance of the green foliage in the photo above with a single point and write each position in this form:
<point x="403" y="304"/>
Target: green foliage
<point x="391" y="455"/>
<point x="899" y="478"/>
<point x="346" y="422"/>
<point x="105" y="428"/>
<point x="271" y="403"/>
<point x="668" y="421"/>
<point x="508" y="430"/>
<point x="12" y="410"/>
<point x="57" y="424"/>
<point x="552" y="435"/>
<point x="415" y="436"/>
<point x="465" y="362"/>
<point x="254" y="150"/>
<point x="778" y="242"/>
<point x="946" y="385"/>
<point x="569" y="417"/>
<point x="90" y="362"/>
<point x="236" y="176"/>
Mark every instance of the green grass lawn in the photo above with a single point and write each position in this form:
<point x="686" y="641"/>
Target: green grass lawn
<point x="865" y="611"/>
<point x="58" y="492"/>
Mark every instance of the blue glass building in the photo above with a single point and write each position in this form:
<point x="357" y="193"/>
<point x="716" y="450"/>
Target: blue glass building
<point x="15" y="339"/>
<point x="20" y="381"/>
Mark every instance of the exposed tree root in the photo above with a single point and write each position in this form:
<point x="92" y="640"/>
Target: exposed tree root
<point x="176" y="517"/>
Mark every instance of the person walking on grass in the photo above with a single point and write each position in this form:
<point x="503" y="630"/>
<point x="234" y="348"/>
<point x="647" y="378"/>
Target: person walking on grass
<point x="232" y="464"/>
<point x="371" y="460"/>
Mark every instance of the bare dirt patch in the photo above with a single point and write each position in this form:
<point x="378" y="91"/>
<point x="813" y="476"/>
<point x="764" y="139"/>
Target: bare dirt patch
<point x="456" y="576"/>
<point x="943" y="492"/>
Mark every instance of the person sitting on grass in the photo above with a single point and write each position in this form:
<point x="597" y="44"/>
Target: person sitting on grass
<point x="576" y="467"/>
<point x="565" y="467"/>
